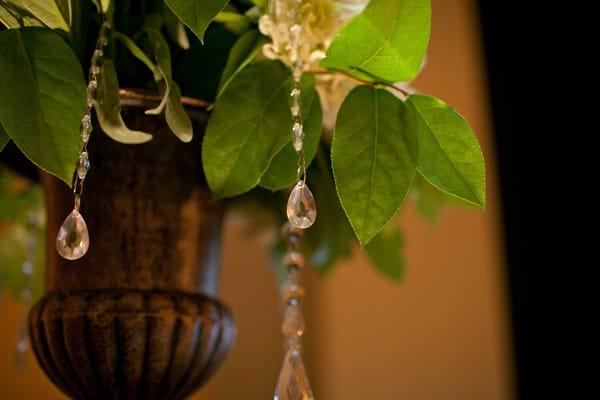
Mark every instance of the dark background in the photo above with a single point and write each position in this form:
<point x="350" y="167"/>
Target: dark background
<point x="548" y="297"/>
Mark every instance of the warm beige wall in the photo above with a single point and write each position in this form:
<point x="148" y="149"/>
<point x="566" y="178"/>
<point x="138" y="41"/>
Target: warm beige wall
<point x="442" y="334"/>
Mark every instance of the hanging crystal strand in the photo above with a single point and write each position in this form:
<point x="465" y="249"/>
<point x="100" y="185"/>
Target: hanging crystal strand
<point x="301" y="208"/>
<point x="293" y="382"/>
<point x="73" y="241"/>
<point x="22" y="344"/>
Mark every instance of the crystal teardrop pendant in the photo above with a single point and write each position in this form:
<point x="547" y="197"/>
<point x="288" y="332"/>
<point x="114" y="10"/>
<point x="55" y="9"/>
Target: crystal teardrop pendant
<point x="293" y="383"/>
<point x="301" y="207"/>
<point x="73" y="239"/>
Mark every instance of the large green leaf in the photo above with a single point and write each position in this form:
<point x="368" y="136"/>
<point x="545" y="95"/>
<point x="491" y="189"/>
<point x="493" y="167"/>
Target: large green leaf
<point x="241" y="54"/>
<point x="429" y="199"/>
<point x="387" y="41"/>
<point x="235" y="22"/>
<point x="135" y="50"/>
<point x="283" y="169"/>
<point x="66" y="10"/>
<point x="331" y="236"/>
<point x="177" y="118"/>
<point x="42" y="98"/>
<point x="108" y="108"/>
<point x="3" y="137"/>
<point x="447" y="152"/>
<point x="385" y="252"/>
<point x="196" y="14"/>
<point x="176" y="29"/>
<point x="7" y="17"/>
<point x="250" y="124"/>
<point x="371" y="159"/>
<point x="46" y="11"/>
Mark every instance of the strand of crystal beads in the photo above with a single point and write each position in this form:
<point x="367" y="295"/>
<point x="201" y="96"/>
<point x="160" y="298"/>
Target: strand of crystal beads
<point x="301" y="208"/>
<point x="31" y="243"/>
<point x="293" y="382"/>
<point x="73" y="240"/>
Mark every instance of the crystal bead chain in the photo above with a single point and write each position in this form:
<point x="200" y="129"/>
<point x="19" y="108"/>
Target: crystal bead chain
<point x="293" y="382"/>
<point x="83" y="164"/>
<point x="72" y="241"/>
<point x="301" y="208"/>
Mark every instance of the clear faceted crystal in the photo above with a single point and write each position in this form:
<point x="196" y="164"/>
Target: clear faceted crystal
<point x="301" y="207"/>
<point x="298" y="130"/>
<point x="293" y="322"/>
<point x="83" y="165"/>
<point x="295" y="109"/>
<point x="298" y="143"/>
<point x="73" y="239"/>
<point x="293" y="383"/>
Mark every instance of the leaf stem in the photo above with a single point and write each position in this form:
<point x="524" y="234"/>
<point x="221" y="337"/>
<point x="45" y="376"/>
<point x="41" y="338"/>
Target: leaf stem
<point x="388" y="85"/>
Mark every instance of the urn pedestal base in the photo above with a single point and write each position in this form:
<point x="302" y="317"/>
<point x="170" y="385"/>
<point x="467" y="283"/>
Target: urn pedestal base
<point x="130" y="344"/>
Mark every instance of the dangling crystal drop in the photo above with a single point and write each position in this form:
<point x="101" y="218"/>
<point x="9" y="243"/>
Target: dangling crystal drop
<point x="301" y="207"/>
<point x="83" y="165"/>
<point x="73" y="239"/>
<point x="293" y="383"/>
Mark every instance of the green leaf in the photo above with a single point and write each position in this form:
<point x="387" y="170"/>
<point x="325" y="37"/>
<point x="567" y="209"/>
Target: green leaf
<point x="42" y="98"/>
<point x="135" y="50"/>
<point x="46" y="12"/>
<point x="102" y="6"/>
<point x="371" y="159"/>
<point x="250" y="124"/>
<point x="387" y="41"/>
<point x="196" y="14"/>
<point x="3" y="137"/>
<point x="108" y="108"/>
<point x="429" y="199"/>
<point x="7" y="18"/>
<point x="176" y="29"/>
<point x="236" y="23"/>
<point x="384" y="251"/>
<point x="281" y="172"/>
<point x="241" y="54"/>
<point x="447" y="152"/>
<point x="162" y="69"/>
<point x="331" y="236"/>
<point x="175" y="115"/>
<point x="64" y="6"/>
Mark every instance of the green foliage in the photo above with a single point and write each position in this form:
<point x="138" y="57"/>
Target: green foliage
<point x="176" y="30"/>
<point x="386" y="42"/>
<point x="199" y="69"/>
<point x="53" y="14"/>
<point x="330" y="238"/>
<point x="281" y="172"/>
<point x="447" y="152"/>
<point x="382" y="146"/>
<point x="385" y="252"/>
<point x="21" y="221"/>
<point x="108" y="108"/>
<point x="41" y="120"/>
<point x="3" y="137"/>
<point x="242" y="53"/>
<point x="196" y="14"/>
<point x="239" y="146"/>
<point x="236" y="23"/>
<point x="429" y="199"/>
<point x="176" y="116"/>
<point x="371" y="159"/>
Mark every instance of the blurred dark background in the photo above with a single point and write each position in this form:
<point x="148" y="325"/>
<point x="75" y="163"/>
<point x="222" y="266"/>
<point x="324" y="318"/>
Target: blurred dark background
<point x="527" y="91"/>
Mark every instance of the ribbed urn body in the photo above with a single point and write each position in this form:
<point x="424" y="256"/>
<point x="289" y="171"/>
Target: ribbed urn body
<point x="137" y="317"/>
